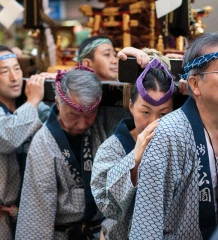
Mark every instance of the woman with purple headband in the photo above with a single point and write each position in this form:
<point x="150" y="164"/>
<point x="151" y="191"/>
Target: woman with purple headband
<point x="115" y="170"/>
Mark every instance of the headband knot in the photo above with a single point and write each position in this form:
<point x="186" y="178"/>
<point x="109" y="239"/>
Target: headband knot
<point x="154" y="63"/>
<point x="60" y="75"/>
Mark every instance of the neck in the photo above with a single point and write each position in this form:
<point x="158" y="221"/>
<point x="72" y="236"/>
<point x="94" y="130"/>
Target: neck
<point x="210" y="121"/>
<point x="10" y="104"/>
<point x="134" y="134"/>
<point x="208" y="116"/>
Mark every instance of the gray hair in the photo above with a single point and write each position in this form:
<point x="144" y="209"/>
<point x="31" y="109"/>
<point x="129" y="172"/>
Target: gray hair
<point x="82" y="84"/>
<point x="198" y="48"/>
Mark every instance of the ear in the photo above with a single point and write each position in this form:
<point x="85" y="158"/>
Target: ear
<point x="194" y="84"/>
<point x="87" y="62"/>
<point x="131" y="106"/>
<point x="57" y="103"/>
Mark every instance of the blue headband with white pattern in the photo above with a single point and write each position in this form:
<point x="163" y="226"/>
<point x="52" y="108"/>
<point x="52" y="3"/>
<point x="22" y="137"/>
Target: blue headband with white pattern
<point x="10" y="55"/>
<point x="198" y="62"/>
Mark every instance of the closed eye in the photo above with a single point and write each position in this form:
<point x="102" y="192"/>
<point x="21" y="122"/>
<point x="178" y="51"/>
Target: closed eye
<point x="4" y="72"/>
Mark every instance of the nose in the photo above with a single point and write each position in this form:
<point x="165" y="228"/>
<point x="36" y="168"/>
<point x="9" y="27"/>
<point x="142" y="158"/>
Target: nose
<point x="13" y="75"/>
<point x="82" y="123"/>
<point x="114" y="59"/>
<point x="153" y="118"/>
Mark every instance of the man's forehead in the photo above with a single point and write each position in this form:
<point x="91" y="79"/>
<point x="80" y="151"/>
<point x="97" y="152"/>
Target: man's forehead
<point x="105" y="47"/>
<point x="7" y="56"/>
<point x="210" y="49"/>
<point x="2" y="53"/>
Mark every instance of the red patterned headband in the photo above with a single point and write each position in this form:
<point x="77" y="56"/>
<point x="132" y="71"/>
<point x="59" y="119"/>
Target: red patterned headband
<point x="77" y="107"/>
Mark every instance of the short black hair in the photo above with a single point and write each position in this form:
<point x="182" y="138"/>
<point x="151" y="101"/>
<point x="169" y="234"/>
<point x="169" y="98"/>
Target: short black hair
<point x="156" y="79"/>
<point x="5" y="48"/>
<point x="89" y="40"/>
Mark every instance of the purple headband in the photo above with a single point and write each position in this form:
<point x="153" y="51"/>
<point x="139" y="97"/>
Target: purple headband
<point x="77" y="107"/>
<point x="154" y="63"/>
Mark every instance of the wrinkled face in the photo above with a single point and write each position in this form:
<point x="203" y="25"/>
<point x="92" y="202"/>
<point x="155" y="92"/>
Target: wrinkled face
<point x="73" y="122"/>
<point x="145" y="113"/>
<point x="11" y="79"/>
<point x="207" y="84"/>
<point x="105" y="63"/>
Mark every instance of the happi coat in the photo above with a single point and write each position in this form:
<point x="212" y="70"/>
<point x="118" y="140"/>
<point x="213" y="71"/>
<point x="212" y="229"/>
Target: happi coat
<point x="53" y="189"/>
<point x="111" y="183"/>
<point x="16" y="130"/>
<point x="175" y="195"/>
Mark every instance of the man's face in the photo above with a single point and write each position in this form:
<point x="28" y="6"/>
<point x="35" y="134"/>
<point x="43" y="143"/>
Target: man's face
<point x="208" y="86"/>
<point x="11" y="78"/>
<point x="73" y="122"/>
<point x="105" y="63"/>
<point x="205" y="90"/>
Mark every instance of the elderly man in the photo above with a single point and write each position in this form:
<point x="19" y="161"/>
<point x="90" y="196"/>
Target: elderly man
<point x="177" y="189"/>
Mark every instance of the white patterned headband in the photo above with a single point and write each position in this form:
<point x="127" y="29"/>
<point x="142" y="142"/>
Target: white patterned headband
<point x="6" y="56"/>
<point x="89" y="47"/>
<point x="198" y="62"/>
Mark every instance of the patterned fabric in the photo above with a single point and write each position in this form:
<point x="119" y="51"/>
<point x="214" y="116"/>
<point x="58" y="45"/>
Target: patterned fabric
<point x="207" y="219"/>
<point x="15" y="129"/>
<point x="43" y="111"/>
<point x="80" y="162"/>
<point x="50" y="195"/>
<point x="111" y="182"/>
<point x="167" y="199"/>
<point x="198" y="62"/>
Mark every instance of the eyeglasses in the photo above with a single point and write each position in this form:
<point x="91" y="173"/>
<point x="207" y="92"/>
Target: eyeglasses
<point x="208" y="72"/>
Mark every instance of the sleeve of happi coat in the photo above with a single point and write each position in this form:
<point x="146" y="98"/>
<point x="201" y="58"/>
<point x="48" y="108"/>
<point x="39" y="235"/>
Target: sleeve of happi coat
<point x="111" y="183"/>
<point x="16" y="128"/>
<point x="156" y="185"/>
<point x="39" y="193"/>
<point x="43" y="111"/>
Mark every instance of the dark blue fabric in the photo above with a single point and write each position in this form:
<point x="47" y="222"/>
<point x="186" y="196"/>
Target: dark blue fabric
<point x="6" y="110"/>
<point x="91" y="207"/>
<point x="54" y="127"/>
<point x="207" y="217"/>
<point x="122" y="132"/>
<point x="75" y="143"/>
